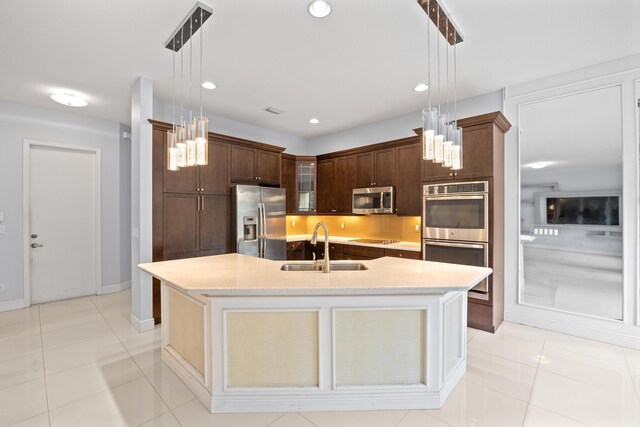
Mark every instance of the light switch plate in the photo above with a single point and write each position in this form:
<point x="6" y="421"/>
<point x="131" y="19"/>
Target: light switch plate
<point x="1" y="216"/>
<point x="1" y="228"/>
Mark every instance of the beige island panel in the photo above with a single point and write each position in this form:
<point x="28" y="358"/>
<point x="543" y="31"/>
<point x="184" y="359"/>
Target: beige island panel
<point x="247" y="337"/>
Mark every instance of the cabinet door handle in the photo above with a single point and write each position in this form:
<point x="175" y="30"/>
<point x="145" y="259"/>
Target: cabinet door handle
<point x="202" y="203"/>
<point x="198" y="198"/>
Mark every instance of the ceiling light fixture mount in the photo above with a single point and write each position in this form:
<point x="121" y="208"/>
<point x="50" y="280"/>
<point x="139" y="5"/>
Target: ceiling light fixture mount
<point x="69" y="100"/>
<point x="421" y="87"/>
<point x="314" y="121"/>
<point x="208" y="85"/>
<point x="319" y="8"/>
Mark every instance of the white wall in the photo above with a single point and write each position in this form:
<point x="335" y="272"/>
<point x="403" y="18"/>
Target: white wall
<point x="399" y="126"/>
<point x="162" y="110"/>
<point x="623" y="73"/>
<point x="18" y="122"/>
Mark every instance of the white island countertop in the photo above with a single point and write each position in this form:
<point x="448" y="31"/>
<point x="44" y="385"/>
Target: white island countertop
<point x="243" y="275"/>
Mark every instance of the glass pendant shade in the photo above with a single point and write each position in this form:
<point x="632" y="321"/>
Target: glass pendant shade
<point x="182" y="147"/>
<point x="456" y="151"/>
<point x="429" y="124"/>
<point x="450" y="135"/>
<point x="439" y="139"/>
<point x="172" y="152"/>
<point x="191" y="143"/>
<point x="202" y="140"/>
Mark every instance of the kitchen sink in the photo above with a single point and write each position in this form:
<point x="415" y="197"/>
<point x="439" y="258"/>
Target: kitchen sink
<point x="352" y="266"/>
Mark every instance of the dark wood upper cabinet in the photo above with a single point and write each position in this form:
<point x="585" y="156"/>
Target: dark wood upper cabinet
<point x="325" y="202"/>
<point x="288" y="181"/>
<point x="384" y="167"/>
<point x="482" y="152"/>
<point x="243" y="164"/>
<point x="255" y="166"/>
<point x="364" y="170"/>
<point x="345" y="183"/>
<point x="214" y="176"/>
<point x="408" y="186"/>
<point x="268" y="167"/>
<point x="376" y="168"/>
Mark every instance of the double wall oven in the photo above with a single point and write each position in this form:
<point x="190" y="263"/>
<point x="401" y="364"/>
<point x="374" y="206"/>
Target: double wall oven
<point x="455" y="221"/>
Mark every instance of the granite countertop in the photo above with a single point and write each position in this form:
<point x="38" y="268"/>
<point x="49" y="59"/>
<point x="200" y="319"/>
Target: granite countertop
<point x="243" y="275"/>
<point x="403" y="246"/>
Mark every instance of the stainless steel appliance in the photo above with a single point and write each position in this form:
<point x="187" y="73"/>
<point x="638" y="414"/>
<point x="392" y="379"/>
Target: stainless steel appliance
<point x="259" y="221"/>
<point x="465" y="253"/>
<point x="373" y="200"/>
<point x="456" y="211"/>
<point x="455" y="221"/>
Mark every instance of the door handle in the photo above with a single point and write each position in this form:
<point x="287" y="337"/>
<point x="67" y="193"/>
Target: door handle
<point x="35" y="245"/>
<point x="34" y="236"/>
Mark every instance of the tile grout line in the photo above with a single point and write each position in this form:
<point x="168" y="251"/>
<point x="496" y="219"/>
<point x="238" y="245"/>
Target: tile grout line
<point x="285" y="413"/>
<point x="144" y="375"/>
<point x="526" y="411"/>
<point x="302" y="415"/>
<point x="402" y="418"/>
<point x="637" y="389"/>
<point x="44" y="368"/>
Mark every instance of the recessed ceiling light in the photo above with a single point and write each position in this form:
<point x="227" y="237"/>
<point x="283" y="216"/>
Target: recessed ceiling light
<point x="539" y="165"/>
<point x="208" y="85"/>
<point x="421" y="87"/>
<point x="319" y="8"/>
<point x="314" y="121"/>
<point x="69" y="100"/>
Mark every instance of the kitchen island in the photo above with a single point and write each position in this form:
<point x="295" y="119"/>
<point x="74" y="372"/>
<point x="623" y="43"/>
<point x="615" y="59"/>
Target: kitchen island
<point x="246" y="336"/>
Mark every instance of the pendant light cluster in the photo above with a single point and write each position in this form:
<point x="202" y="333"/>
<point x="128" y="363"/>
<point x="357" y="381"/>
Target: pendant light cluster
<point x="187" y="141"/>
<point x="441" y="136"/>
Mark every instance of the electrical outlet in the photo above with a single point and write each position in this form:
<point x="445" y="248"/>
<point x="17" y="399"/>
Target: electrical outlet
<point x="1" y="288"/>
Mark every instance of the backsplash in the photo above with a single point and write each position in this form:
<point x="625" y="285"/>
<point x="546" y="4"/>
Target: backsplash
<point x="370" y="226"/>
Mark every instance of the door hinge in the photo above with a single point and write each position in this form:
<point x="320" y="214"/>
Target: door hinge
<point x="639" y="103"/>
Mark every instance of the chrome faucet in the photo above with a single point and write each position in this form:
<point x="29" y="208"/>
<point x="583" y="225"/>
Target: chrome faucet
<point x="314" y="240"/>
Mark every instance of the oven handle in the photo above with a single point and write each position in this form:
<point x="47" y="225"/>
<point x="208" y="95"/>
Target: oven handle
<point x="456" y="245"/>
<point x="455" y="197"/>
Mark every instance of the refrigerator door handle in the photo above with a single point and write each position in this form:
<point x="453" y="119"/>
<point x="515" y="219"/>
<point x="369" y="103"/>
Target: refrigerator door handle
<point x="260" y="230"/>
<point x="263" y="220"/>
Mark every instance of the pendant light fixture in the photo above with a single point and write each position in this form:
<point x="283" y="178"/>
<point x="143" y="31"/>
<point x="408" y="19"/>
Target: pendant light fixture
<point x="172" y="148"/>
<point x="441" y="138"/>
<point x="187" y="142"/>
<point x="201" y="123"/>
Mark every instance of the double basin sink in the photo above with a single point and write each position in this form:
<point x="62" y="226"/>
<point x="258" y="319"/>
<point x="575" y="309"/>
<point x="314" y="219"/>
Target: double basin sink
<point x="335" y="266"/>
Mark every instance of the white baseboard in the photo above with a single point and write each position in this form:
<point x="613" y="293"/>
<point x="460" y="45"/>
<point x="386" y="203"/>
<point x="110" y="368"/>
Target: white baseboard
<point x="609" y="337"/>
<point x="11" y="305"/>
<point x="109" y="289"/>
<point x="142" y="325"/>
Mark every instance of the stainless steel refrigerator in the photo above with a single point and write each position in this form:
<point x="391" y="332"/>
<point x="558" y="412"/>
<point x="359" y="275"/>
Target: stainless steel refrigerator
<point x="259" y="221"/>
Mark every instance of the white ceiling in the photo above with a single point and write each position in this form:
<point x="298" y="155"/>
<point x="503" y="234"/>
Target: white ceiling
<point x="356" y="66"/>
<point x="576" y="131"/>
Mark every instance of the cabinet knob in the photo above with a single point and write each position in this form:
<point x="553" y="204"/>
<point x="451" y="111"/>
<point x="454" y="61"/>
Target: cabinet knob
<point x="401" y="255"/>
<point x="450" y="173"/>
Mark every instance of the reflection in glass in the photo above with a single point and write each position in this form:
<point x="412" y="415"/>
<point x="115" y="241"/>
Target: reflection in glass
<point x="571" y="223"/>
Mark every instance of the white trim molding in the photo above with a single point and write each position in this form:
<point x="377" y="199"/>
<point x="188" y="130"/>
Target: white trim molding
<point x="12" y="305"/>
<point x="142" y="325"/>
<point x="109" y="289"/>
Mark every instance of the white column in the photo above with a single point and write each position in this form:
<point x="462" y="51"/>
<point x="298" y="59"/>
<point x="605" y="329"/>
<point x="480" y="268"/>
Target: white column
<point x="141" y="203"/>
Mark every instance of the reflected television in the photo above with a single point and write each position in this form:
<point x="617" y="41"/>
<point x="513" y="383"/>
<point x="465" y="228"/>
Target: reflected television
<point x="598" y="210"/>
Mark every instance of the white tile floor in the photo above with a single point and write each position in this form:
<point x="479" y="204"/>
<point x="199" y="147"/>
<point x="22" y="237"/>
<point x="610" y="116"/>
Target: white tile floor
<point x="80" y="363"/>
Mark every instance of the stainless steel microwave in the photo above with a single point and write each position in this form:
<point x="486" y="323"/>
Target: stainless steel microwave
<point x="373" y="200"/>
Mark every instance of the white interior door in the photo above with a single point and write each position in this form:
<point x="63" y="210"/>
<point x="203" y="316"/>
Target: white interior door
<point x="62" y="187"/>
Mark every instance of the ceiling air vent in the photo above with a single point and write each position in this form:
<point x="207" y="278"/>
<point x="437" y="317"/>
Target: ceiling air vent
<point x="273" y="110"/>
